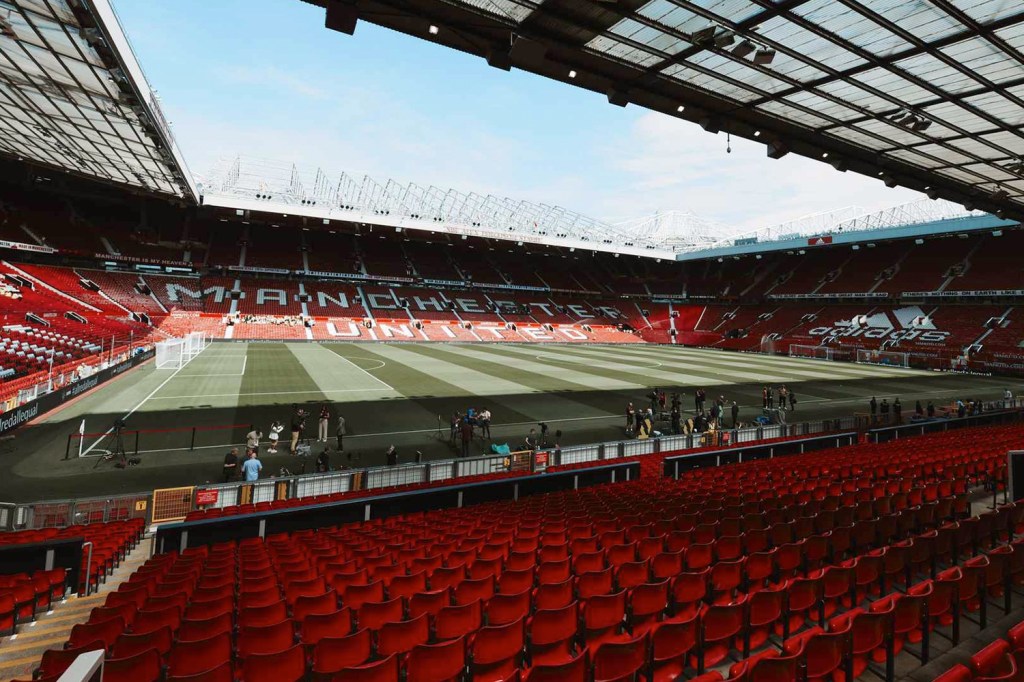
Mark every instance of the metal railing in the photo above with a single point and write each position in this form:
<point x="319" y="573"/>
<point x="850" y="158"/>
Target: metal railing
<point x="306" y="486"/>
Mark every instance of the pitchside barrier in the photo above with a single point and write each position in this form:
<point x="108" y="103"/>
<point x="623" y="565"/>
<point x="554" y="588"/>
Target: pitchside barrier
<point x="181" y="536"/>
<point x="674" y="466"/>
<point x="156" y="440"/>
<point x="176" y="503"/>
<point x="921" y="427"/>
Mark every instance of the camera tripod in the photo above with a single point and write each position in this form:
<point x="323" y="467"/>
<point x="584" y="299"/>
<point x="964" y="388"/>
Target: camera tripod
<point x="116" y="452"/>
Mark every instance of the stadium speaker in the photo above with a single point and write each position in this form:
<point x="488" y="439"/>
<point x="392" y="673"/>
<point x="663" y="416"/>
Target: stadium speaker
<point x="777" y="149"/>
<point x="618" y="97"/>
<point x="500" y="59"/>
<point x="341" y="16"/>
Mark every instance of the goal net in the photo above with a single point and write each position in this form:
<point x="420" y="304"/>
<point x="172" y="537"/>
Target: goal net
<point x="195" y="343"/>
<point x="883" y="357"/>
<point x="820" y="352"/>
<point x="170" y="354"/>
<point x="176" y="353"/>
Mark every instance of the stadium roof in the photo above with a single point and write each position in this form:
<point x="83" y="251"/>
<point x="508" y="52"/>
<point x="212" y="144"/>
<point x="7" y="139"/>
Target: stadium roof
<point x="73" y="97"/>
<point x="926" y="94"/>
<point x="246" y="183"/>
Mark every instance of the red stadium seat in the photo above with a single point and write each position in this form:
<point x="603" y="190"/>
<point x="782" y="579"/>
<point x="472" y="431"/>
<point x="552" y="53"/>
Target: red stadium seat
<point x="288" y="665"/>
<point x="442" y="662"/>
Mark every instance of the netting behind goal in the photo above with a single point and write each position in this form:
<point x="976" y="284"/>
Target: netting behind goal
<point x="820" y="352"/>
<point x="170" y="354"/>
<point x="883" y="357"/>
<point x="195" y="343"/>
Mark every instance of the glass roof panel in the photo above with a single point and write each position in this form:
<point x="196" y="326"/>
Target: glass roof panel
<point x="855" y="136"/>
<point x="981" y="57"/>
<point x="937" y="73"/>
<point x="916" y="158"/>
<point x="59" y="101"/>
<point x="506" y="9"/>
<point x="987" y="11"/>
<point x="710" y="83"/>
<point x="656" y="39"/>
<point x="922" y="19"/>
<point x="620" y="50"/>
<point x="783" y="110"/>
<point x="824" y="106"/>
<point x="1006" y="140"/>
<point x="894" y="85"/>
<point x="951" y="156"/>
<point x="996" y="105"/>
<point x="957" y="116"/>
<point x="851" y="27"/>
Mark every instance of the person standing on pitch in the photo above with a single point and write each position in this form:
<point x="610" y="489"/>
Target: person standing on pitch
<point x="874" y="408"/>
<point x="252" y="440"/>
<point x="231" y="465"/>
<point x="275" y="434"/>
<point x="630" y="414"/>
<point x="484" y="419"/>
<point x="735" y="414"/>
<point x="252" y="467"/>
<point x="341" y="433"/>
<point x="897" y="410"/>
<point x="325" y="420"/>
<point x="298" y="423"/>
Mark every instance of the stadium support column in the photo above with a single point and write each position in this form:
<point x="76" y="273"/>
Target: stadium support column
<point x="671" y="324"/>
<point x="234" y="301"/>
<point x="302" y="299"/>
<point x="366" y="305"/>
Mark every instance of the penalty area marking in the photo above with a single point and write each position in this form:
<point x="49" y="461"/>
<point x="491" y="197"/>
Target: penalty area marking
<point x="242" y="395"/>
<point x="382" y="364"/>
<point x="386" y="385"/>
<point x="656" y="365"/>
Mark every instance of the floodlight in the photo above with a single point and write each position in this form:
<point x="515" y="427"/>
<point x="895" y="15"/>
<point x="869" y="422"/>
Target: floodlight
<point x="433" y="30"/>
<point x="764" y="56"/>
<point x="919" y="241"/>
<point x="743" y="49"/>
<point x="997" y="233"/>
<point x="757" y="133"/>
<point x="724" y="38"/>
<point x="680" y="109"/>
<point x="704" y="37"/>
<point x="572" y="73"/>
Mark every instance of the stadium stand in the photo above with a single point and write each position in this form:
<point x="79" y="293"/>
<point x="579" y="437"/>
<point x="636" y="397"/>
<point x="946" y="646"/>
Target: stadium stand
<point x="752" y="567"/>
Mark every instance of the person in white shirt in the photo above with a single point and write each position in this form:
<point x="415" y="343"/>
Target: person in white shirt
<point x="252" y="440"/>
<point x="325" y="419"/>
<point x="484" y="419"/>
<point x="275" y="433"/>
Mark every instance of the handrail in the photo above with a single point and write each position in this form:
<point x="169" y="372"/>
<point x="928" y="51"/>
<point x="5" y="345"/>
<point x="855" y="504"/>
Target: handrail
<point x="88" y="568"/>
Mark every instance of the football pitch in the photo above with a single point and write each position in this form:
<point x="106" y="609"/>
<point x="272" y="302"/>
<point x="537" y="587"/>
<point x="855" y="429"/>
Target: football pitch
<point x="181" y="422"/>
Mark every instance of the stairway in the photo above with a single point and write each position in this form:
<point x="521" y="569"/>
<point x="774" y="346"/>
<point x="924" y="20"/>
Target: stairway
<point x="20" y="653"/>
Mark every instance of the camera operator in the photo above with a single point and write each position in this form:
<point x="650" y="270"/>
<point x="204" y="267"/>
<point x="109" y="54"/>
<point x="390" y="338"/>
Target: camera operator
<point x="298" y="424"/>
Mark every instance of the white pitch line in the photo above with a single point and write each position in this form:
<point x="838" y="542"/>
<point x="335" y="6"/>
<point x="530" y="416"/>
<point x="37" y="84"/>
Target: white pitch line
<point x="242" y="395"/>
<point x="132" y="411"/>
<point x="382" y="383"/>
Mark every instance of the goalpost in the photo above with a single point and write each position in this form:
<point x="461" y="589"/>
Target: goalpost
<point x="797" y="350"/>
<point x="176" y="353"/>
<point x="883" y="357"/>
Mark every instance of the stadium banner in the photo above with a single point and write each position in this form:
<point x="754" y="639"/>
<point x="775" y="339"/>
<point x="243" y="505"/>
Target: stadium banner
<point x="512" y="287"/>
<point x="819" y="241"/>
<point x="140" y="259"/>
<point x="269" y="271"/>
<point x="21" y="246"/>
<point x="960" y="294"/>
<point x="26" y="412"/>
<point x="337" y="275"/>
<point x="876" y="294"/>
<point x="444" y="282"/>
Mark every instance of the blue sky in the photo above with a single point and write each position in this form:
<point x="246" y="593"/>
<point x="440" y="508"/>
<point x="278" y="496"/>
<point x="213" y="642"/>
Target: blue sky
<point x="265" y="78"/>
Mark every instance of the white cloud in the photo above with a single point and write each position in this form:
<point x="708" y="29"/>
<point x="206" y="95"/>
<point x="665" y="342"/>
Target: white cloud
<point x="665" y="164"/>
